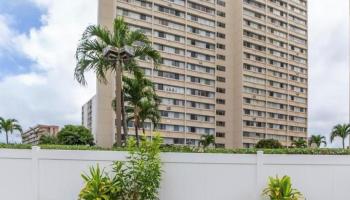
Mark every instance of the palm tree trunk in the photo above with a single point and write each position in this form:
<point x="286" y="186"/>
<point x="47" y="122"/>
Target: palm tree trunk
<point x="118" y="107"/>
<point x="7" y="137"/>
<point x="143" y="128"/>
<point x="125" y="125"/>
<point x="343" y="143"/>
<point x="136" y="133"/>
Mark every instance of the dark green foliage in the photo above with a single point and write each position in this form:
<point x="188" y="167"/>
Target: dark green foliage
<point x="318" y="140"/>
<point x="136" y="179"/>
<point x="8" y="126"/>
<point x="191" y="149"/>
<point x="15" y="146"/>
<point x="142" y="101"/>
<point x="269" y="144"/>
<point x="75" y="135"/>
<point x="207" y="140"/>
<point x="342" y="131"/>
<point x="48" y="139"/>
<point x="300" y="143"/>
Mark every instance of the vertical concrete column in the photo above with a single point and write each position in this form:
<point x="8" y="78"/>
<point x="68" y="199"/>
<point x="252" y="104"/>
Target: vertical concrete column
<point x="259" y="173"/>
<point x="35" y="172"/>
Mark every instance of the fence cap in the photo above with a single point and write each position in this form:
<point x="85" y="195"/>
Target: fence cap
<point x="260" y="152"/>
<point x="35" y="148"/>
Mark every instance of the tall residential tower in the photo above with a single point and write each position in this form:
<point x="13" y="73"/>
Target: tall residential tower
<point x="236" y="69"/>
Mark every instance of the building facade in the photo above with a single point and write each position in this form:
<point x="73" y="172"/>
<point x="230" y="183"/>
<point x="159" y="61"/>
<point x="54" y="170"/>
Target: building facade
<point x="32" y="135"/>
<point x="88" y="113"/>
<point x="236" y="69"/>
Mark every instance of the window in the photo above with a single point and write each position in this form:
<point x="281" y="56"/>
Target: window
<point x="221" y="35"/>
<point x="220" y="112"/>
<point x="222" y="25"/>
<point x="221" y="68"/>
<point x="220" y="123"/>
<point x="220" y="57"/>
<point x="221" y="3"/>
<point x="221" y="90"/>
<point x="220" y="134"/>
<point x="220" y="101"/>
<point x="221" y="79"/>
<point x="221" y="14"/>
<point x="200" y="68"/>
<point x="220" y="46"/>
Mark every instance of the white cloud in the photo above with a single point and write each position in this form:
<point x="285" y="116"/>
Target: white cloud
<point x="329" y="65"/>
<point x="49" y="94"/>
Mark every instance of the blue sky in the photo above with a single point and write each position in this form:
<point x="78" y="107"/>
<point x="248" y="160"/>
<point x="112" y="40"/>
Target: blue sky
<point x="38" y="39"/>
<point x="24" y="13"/>
<point x="22" y="16"/>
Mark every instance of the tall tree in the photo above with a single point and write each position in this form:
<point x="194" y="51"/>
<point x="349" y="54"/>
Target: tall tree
<point x="318" y="140"/>
<point x="9" y="126"/>
<point x="90" y="56"/>
<point x="141" y="100"/>
<point x="342" y="131"/>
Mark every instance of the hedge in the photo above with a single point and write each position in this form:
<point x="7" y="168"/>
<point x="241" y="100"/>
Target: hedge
<point x="187" y="149"/>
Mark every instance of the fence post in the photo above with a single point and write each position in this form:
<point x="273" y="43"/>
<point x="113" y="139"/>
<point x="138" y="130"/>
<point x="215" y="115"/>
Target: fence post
<point x="35" y="172"/>
<point x="259" y="172"/>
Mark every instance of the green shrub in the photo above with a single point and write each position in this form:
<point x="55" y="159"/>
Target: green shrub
<point x="75" y="135"/>
<point x="269" y="144"/>
<point x="48" y="139"/>
<point x="136" y="179"/>
<point x="281" y="189"/>
<point x="98" y="186"/>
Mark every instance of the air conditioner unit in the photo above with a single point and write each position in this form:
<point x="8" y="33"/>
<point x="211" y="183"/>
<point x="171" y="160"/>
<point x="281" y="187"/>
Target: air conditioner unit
<point x="168" y="108"/>
<point x="200" y="62"/>
<point x="254" y="96"/>
<point x="254" y="119"/>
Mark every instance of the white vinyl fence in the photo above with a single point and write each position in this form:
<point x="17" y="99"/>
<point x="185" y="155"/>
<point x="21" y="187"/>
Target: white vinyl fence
<point x="55" y="174"/>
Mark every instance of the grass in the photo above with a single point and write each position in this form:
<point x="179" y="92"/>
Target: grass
<point x="186" y="149"/>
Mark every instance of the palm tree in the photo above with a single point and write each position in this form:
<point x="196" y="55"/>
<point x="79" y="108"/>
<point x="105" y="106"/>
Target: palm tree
<point x="318" y="140"/>
<point x="90" y="57"/>
<point x="207" y="140"/>
<point x="141" y="100"/>
<point x="149" y="111"/>
<point x="9" y="126"/>
<point x="300" y="143"/>
<point x="342" y="131"/>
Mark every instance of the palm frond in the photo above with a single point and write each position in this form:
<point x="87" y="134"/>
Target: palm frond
<point x="120" y="32"/>
<point x="147" y="52"/>
<point x="136" y="38"/>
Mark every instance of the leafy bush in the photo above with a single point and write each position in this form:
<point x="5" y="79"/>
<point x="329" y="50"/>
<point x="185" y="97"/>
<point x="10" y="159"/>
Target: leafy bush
<point x="48" y="139"/>
<point x="300" y="143"/>
<point x="281" y="189"/>
<point x="98" y="186"/>
<point x="192" y="149"/>
<point x="269" y="144"/>
<point x="75" y="135"/>
<point x="136" y="179"/>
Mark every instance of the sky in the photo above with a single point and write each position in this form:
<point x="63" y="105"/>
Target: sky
<point x="38" y="39"/>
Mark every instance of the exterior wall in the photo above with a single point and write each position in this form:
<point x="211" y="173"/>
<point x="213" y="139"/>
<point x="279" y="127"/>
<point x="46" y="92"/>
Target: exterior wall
<point x="33" y="135"/>
<point x="55" y="175"/>
<point x="105" y="92"/>
<point x="186" y="129"/>
<point x="236" y="123"/>
<point x="279" y="72"/>
<point x="89" y="115"/>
